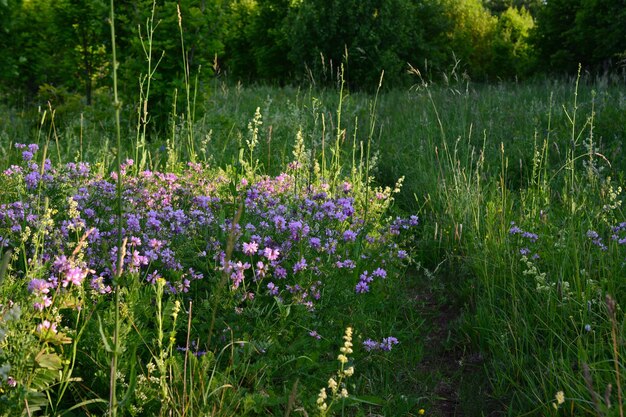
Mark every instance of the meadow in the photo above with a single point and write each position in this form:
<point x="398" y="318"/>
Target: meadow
<point x="452" y="248"/>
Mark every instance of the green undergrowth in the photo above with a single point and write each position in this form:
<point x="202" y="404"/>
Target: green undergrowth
<point x="519" y="256"/>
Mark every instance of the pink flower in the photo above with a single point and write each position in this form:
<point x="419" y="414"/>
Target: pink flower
<point x="46" y="327"/>
<point x="271" y="254"/>
<point x="74" y="276"/>
<point x="250" y="248"/>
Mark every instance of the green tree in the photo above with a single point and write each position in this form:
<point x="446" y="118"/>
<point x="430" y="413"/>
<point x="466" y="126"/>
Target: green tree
<point x="202" y="34"/>
<point x="589" y="32"/>
<point x="39" y="47"/>
<point x="375" y="35"/>
<point x="513" y="54"/>
<point x="498" y="7"/>
<point x="553" y="38"/>
<point x="53" y="46"/>
<point x="471" y="35"/>
<point x="256" y="44"/>
<point x="238" y="39"/>
<point x="84" y="26"/>
<point x="9" y="73"/>
<point x="599" y="32"/>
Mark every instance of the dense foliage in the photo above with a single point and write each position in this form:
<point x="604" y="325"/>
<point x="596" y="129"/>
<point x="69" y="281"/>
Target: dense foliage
<point x="55" y="49"/>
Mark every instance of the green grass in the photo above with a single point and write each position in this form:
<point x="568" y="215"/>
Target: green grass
<point x="547" y="155"/>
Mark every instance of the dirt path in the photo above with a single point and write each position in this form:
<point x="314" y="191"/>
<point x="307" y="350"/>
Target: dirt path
<point x="456" y="378"/>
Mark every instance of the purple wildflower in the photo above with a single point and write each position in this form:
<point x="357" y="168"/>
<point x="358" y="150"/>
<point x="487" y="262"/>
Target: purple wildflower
<point x="47" y="327"/>
<point x="74" y="276"/>
<point x="280" y="272"/>
<point x="271" y="254"/>
<point x="596" y="239"/>
<point x="273" y="289"/>
<point x="300" y="265"/>
<point x="514" y="229"/>
<point x="349" y="236"/>
<point x="533" y="237"/>
<point x="97" y="284"/>
<point x="362" y="287"/>
<point x="388" y="342"/>
<point x="380" y="273"/>
<point x="315" y="242"/>
<point x="27" y="155"/>
<point x="39" y="286"/>
<point x="370" y="345"/>
<point x="365" y="277"/>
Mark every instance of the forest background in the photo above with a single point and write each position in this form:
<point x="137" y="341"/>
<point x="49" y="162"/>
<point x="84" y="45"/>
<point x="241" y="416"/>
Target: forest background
<point x="57" y="51"/>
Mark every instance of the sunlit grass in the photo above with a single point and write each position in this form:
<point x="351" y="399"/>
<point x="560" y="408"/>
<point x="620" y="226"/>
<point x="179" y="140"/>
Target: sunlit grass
<point x="521" y="229"/>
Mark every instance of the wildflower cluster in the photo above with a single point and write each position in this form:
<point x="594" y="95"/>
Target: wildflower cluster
<point x="285" y="247"/>
<point x="618" y="235"/>
<point x="385" y="345"/>
<point x="272" y="240"/>
<point x="527" y="239"/>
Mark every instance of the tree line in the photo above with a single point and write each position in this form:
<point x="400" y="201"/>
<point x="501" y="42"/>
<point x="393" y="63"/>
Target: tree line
<point x="56" y="47"/>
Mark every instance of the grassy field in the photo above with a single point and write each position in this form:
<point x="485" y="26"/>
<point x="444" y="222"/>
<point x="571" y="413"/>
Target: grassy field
<point x="469" y="236"/>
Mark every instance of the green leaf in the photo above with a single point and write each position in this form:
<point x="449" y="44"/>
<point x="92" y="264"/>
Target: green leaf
<point x="82" y="404"/>
<point x="105" y="342"/>
<point x="35" y="401"/>
<point x="50" y="361"/>
<point x="7" y="255"/>
<point x="132" y="382"/>
<point x="43" y="379"/>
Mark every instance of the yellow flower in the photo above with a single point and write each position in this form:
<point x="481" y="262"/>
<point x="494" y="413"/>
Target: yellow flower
<point x="421" y="412"/>
<point x="560" y="397"/>
<point x="342" y="358"/>
<point x="321" y="399"/>
<point x="349" y="372"/>
<point x="332" y="384"/>
<point x="348" y="336"/>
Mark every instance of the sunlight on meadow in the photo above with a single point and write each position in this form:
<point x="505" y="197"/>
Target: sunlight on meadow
<point x="260" y="210"/>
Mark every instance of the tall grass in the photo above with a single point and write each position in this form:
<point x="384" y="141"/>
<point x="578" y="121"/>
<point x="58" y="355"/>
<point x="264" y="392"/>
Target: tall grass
<point x="518" y="186"/>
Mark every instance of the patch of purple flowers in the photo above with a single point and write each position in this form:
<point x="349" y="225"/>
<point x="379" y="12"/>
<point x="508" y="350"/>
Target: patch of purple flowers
<point x="596" y="239"/>
<point x="385" y="345"/>
<point x="293" y="235"/>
